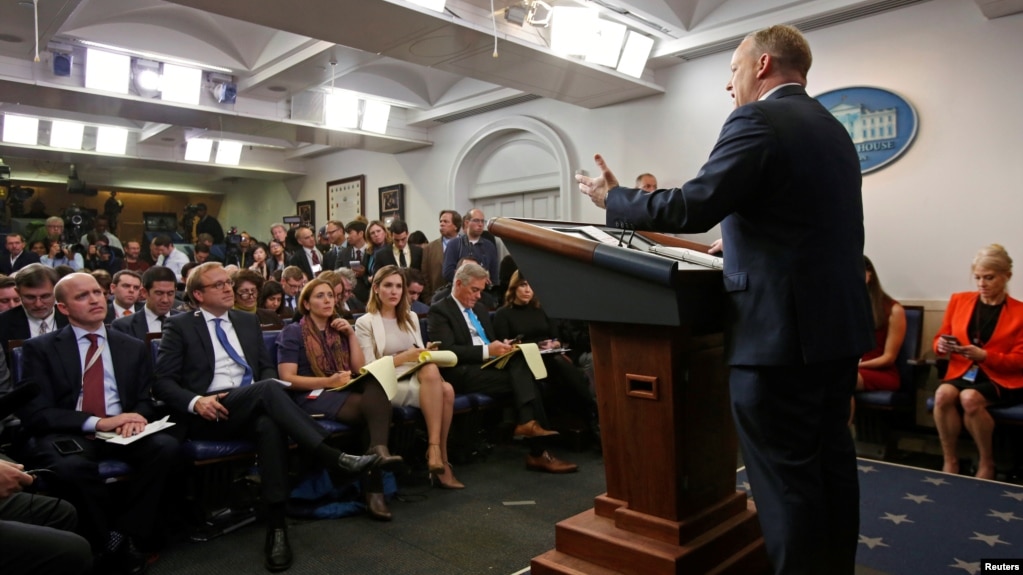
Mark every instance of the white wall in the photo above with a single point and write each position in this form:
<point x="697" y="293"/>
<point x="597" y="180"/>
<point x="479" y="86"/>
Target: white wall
<point x="954" y="191"/>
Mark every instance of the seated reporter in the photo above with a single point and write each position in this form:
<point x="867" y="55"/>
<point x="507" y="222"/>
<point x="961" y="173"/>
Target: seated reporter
<point x="92" y="379"/>
<point x="271" y="298"/>
<point x="462" y="324"/>
<point x="214" y="371"/>
<point x="321" y="352"/>
<point x="247" y="285"/>
<point x="158" y="290"/>
<point x="389" y="328"/>
<point x="982" y="334"/>
<point x="521" y="317"/>
<point x="877" y="370"/>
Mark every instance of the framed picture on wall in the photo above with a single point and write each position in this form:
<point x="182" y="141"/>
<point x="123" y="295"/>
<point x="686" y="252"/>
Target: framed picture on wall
<point x="306" y="212"/>
<point x="392" y="203"/>
<point x="346" y="198"/>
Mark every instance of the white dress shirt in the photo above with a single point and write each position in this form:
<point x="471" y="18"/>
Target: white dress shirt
<point x="111" y="398"/>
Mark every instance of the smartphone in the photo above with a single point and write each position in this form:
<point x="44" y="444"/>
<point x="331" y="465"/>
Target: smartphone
<point x="950" y="339"/>
<point x="67" y="446"/>
<point x="432" y="345"/>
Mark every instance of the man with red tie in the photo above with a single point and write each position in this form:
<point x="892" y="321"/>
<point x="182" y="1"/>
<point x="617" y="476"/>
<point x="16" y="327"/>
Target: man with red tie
<point x="126" y="287"/>
<point x="96" y="380"/>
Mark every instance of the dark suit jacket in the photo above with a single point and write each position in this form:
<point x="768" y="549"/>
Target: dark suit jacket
<point x="344" y="259"/>
<point x="784" y="181"/>
<point x="14" y="324"/>
<point x="447" y="325"/>
<point x="23" y="260"/>
<point x="52" y="360"/>
<point x="301" y="261"/>
<point x="136" y="324"/>
<point x="386" y="258"/>
<point x="210" y="225"/>
<point x="110" y="311"/>
<point x="184" y="366"/>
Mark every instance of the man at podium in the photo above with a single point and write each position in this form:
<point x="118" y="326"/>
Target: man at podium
<point x="783" y="180"/>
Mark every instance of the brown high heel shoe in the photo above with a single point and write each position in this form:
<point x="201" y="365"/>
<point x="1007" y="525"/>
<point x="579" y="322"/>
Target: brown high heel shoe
<point x="434" y="462"/>
<point x="446" y="479"/>
<point x="386" y="460"/>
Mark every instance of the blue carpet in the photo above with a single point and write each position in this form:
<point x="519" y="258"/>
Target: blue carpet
<point x="915" y="521"/>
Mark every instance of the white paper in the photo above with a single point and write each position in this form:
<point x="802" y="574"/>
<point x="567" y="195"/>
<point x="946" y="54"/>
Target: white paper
<point x="151" y="427"/>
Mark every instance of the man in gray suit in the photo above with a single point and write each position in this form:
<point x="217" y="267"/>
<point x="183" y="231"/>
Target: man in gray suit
<point x="784" y="181"/>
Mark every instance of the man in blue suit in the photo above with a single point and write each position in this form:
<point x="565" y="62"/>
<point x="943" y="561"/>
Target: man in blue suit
<point x="784" y="181"/>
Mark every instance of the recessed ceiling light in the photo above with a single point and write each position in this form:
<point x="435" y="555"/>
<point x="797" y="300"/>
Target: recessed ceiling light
<point x="277" y="88"/>
<point x="11" y="38"/>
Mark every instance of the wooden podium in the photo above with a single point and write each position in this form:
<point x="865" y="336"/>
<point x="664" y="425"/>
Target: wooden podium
<point x="669" y="441"/>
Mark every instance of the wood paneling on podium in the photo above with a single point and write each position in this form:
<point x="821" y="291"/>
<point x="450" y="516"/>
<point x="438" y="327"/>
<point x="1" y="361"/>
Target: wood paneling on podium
<point x="669" y="442"/>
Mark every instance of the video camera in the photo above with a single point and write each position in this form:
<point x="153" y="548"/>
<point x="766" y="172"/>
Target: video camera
<point x="76" y="220"/>
<point x="232" y="244"/>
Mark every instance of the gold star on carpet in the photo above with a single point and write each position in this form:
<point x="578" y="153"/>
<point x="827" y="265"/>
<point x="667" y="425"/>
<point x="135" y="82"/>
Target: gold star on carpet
<point x="991" y="540"/>
<point x="896" y="519"/>
<point x="872" y="542"/>
<point x="971" y="568"/>
<point x="1004" y="515"/>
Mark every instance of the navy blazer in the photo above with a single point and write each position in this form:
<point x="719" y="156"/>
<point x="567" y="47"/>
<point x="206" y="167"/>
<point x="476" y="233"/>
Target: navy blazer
<point x="53" y="362"/>
<point x="14" y="325"/>
<point x="447" y="325"/>
<point x="300" y="260"/>
<point x="25" y="258"/>
<point x="136" y="324"/>
<point x="386" y="258"/>
<point x="784" y="181"/>
<point x="110" y="311"/>
<point x="184" y="366"/>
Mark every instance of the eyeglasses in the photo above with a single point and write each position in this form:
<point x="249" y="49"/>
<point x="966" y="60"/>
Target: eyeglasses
<point x="247" y="292"/>
<point x="34" y="298"/>
<point x="220" y="284"/>
<point x="477" y="221"/>
<point x="333" y="231"/>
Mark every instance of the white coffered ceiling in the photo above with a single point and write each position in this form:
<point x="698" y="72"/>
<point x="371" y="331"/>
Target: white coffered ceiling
<point x="432" y="67"/>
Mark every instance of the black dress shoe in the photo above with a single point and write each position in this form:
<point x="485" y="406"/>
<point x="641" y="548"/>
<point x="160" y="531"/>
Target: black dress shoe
<point x="128" y="559"/>
<point x="377" y="506"/>
<point x="356" y="463"/>
<point x="277" y="550"/>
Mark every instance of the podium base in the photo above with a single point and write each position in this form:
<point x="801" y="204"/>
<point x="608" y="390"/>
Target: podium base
<point x="593" y="545"/>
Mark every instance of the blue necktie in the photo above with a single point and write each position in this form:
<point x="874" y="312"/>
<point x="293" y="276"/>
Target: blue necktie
<point x="233" y="353"/>
<point x="476" y="324"/>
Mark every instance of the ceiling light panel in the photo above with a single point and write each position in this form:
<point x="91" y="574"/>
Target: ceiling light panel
<point x="111" y="140"/>
<point x="198" y="150"/>
<point x="66" y="135"/>
<point x="375" y="115"/>
<point x="180" y="84"/>
<point x="21" y="130"/>
<point x="107" y="71"/>
<point x="229" y="153"/>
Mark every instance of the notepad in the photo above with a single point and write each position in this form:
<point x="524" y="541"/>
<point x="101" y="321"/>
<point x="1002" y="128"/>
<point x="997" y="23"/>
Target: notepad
<point x="690" y="256"/>
<point x="530" y="351"/>
<point x="442" y="358"/>
<point x="382" y="369"/>
<point x="151" y="428"/>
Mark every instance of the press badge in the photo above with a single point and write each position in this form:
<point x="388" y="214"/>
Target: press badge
<point x="971" y="374"/>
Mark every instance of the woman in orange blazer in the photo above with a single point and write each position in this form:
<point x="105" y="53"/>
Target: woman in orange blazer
<point x="982" y="333"/>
